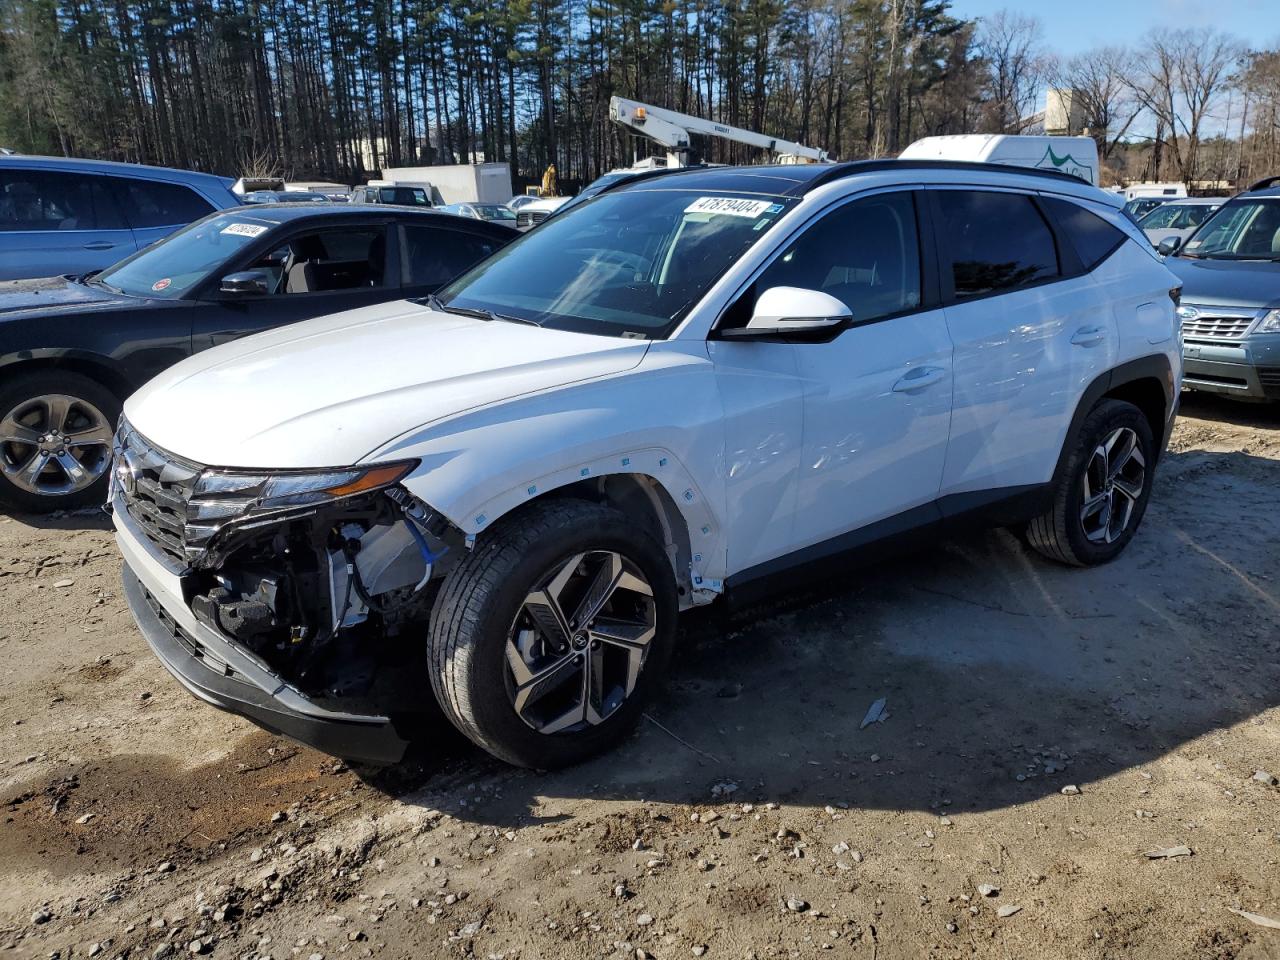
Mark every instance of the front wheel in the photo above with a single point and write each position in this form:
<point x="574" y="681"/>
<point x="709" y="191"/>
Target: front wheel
<point x="549" y="636"/>
<point x="55" y="441"/>
<point x="1102" y="492"/>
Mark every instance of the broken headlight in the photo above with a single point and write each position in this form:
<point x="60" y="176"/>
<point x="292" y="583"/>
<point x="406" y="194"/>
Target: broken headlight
<point x="221" y="496"/>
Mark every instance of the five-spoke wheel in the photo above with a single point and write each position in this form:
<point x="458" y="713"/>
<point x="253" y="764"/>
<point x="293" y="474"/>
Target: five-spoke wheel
<point x="55" y="441"/>
<point x="579" y="642"/>
<point x="549" y="636"/>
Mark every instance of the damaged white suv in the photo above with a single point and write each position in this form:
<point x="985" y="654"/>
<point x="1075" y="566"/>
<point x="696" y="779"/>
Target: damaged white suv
<point x="498" y="500"/>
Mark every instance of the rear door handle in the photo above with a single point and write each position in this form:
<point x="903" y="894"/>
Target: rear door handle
<point x="99" y="245"/>
<point x="1089" y="336"/>
<point x="918" y="379"/>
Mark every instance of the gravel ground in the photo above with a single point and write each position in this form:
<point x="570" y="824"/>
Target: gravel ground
<point x="1046" y="730"/>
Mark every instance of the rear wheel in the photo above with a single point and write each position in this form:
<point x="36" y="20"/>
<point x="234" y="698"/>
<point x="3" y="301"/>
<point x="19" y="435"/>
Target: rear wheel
<point x="1102" y="493"/>
<point x="548" y="638"/>
<point x="55" y="441"/>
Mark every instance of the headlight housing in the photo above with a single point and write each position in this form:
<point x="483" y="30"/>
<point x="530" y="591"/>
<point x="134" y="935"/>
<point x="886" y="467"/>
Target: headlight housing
<point x="1270" y="322"/>
<point x="221" y="496"/>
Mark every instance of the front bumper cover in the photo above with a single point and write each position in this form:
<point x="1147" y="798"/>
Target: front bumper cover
<point x="223" y="674"/>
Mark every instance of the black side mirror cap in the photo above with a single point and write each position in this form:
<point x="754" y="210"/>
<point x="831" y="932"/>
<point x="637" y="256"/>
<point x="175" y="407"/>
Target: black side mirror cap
<point x="248" y="282"/>
<point x="1169" y="246"/>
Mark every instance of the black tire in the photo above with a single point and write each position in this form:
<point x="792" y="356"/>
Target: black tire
<point x="22" y="389"/>
<point x="1059" y="533"/>
<point x="478" y="606"/>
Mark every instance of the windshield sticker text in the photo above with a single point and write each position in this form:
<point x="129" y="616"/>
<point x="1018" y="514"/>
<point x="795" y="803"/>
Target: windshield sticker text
<point x="730" y="206"/>
<point x="161" y="285"/>
<point x="245" y="230"/>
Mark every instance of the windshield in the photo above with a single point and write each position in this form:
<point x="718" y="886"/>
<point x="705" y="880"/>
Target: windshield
<point x="1240" y="230"/>
<point x="405" y="196"/>
<point x="625" y="264"/>
<point x="168" y="269"/>
<point x="1177" y="216"/>
<point x="494" y="211"/>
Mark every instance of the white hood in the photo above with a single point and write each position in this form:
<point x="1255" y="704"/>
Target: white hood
<point x="329" y="391"/>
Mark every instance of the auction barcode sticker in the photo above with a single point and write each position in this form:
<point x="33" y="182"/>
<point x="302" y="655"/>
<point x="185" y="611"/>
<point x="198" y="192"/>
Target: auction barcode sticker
<point x="245" y="230"/>
<point x="731" y="206"/>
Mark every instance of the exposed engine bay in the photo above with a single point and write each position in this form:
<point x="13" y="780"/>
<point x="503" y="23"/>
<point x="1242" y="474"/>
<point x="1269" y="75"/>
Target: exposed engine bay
<point x="331" y="597"/>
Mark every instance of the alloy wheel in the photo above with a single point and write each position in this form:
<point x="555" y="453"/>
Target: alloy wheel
<point x="579" y="642"/>
<point x="1112" y="486"/>
<point x="54" y="444"/>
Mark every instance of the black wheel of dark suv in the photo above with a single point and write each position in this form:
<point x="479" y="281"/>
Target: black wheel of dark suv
<point x="551" y="634"/>
<point x="55" y="441"/>
<point x="1101" y="494"/>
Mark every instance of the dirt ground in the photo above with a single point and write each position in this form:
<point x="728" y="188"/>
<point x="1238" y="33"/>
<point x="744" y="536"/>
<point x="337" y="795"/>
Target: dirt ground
<point x="750" y="815"/>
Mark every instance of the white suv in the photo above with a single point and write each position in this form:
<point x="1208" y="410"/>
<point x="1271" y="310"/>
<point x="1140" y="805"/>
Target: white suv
<point x="499" y="500"/>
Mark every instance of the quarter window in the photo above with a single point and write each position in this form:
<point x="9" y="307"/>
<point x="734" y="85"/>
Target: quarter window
<point x="1092" y="237"/>
<point x="997" y="241"/>
<point x="866" y="254"/>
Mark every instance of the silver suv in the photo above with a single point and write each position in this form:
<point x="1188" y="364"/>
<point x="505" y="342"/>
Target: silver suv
<point x="1230" y="312"/>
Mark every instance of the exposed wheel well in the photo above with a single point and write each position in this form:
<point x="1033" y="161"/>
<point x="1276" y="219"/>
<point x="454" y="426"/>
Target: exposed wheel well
<point x="645" y="501"/>
<point x="1147" y="394"/>
<point x="97" y="372"/>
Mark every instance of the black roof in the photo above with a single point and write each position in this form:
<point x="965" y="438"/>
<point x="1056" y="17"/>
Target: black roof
<point x="278" y="213"/>
<point x="1267" y="187"/>
<point x="795" y="180"/>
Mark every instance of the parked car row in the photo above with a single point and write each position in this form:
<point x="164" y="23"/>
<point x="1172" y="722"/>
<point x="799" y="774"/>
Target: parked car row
<point x="499" y="465"/>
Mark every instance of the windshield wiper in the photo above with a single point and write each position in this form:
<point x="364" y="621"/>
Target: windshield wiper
<point x="97" y="281"/>
<point x="480" y="313"/>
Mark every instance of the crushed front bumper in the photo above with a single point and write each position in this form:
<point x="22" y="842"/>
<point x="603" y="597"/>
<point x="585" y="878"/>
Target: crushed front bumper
<point x="224" y="674"/>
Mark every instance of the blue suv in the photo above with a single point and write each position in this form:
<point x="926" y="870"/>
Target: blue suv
<point x="65" y="216"/>
<point x="1230" y="273"/>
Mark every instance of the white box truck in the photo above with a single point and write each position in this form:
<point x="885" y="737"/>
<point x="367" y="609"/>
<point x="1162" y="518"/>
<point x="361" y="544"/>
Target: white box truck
<point x="1077" y="156"/>
<point x="458" y="182"/>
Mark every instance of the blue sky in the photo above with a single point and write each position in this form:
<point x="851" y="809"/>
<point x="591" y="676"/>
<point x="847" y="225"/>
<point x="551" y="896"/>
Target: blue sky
<point x="1071" y="26"/>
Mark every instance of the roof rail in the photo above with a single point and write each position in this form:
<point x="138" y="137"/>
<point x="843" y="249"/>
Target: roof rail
<point x="1264" y="183"/>
<point x="852" y="167"/>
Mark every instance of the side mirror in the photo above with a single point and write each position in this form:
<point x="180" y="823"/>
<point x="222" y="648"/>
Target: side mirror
<point x="793" y="312"/>
<point x="249" y="282"/>
<point x="1169" y="246"/>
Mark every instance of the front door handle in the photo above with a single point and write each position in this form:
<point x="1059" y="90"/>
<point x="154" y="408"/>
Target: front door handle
<point x="99" y="245"/>
<point x="1089" y="336"/>
<point x="919" y="378"/>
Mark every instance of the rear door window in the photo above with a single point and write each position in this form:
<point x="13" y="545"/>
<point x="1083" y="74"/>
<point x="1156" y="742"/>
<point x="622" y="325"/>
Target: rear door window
<point x="153" y="204"/>
<point x="996" y="242"/>
<point x="1092" y="237"/>
<point x="435" y="255"/>
<point x="40" y="200"/>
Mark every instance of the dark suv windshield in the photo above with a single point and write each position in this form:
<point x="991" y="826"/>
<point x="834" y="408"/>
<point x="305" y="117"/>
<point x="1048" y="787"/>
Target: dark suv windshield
<point x="630" y="263"/>
<point x="1245" y="229"/>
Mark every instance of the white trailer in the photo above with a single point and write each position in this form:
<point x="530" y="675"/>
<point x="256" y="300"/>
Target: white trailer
<point x="1077" y="156"/>
<point x="457" y="182"/>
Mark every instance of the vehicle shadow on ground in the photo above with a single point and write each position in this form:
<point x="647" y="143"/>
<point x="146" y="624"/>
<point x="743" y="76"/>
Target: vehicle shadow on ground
<point x="1006" y="677"/>
<point x="1209" y="406"/>
<point x="83" y="518"/>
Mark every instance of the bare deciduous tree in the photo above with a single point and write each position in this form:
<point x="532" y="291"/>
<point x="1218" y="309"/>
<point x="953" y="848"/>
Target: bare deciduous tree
<point x="1179" y="76"/>
<point x="1011" y="47"/>
<point x="1099" y="79"/>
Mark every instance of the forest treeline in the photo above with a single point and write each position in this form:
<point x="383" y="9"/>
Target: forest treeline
<point x="338" y="89"/>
